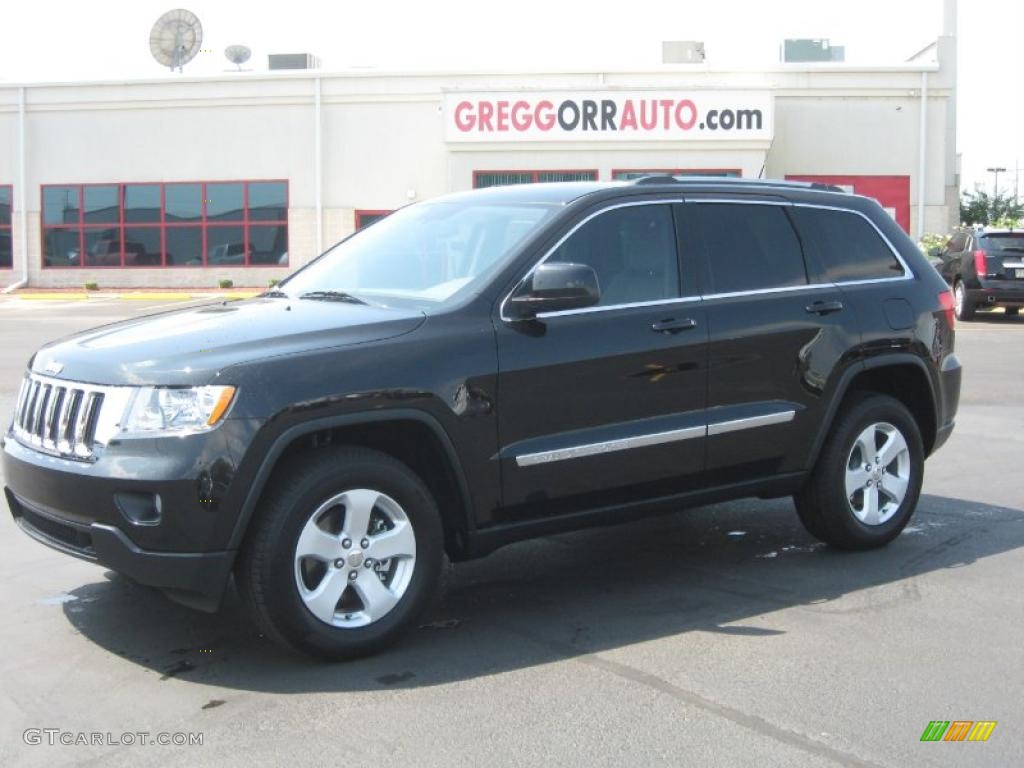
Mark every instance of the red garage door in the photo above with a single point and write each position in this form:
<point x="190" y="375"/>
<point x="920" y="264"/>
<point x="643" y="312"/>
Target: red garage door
<point x="891" y="192"/>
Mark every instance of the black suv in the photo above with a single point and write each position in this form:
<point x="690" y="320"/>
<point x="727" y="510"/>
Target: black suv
<point x="487" y="367"/>
<point x="986" y="269"/>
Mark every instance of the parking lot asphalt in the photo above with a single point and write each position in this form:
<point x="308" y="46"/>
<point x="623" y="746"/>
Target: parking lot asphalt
<point x="718" y="636"/>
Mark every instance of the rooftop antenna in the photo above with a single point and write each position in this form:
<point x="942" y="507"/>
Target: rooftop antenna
<point x="237" y="55"/>
<point x="175" y="38"/>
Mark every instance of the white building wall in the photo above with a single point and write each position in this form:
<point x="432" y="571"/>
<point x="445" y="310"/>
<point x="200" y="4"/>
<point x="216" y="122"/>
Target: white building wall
<point x="383" y="142"/>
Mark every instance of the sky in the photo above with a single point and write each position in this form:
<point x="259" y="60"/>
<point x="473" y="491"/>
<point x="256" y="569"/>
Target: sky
<point x="90" y="39"/>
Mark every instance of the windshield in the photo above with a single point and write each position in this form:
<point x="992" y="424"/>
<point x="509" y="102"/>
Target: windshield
<point x="426" y="253"/>
<point x="1009" y="241"/>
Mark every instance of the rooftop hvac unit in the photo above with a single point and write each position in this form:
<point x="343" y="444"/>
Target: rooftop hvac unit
<point x="807" y="49"/>
<point x="682" y="52"/>
<point x="293" y="61"/>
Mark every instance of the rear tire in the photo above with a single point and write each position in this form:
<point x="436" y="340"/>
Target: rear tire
<point x="963" y="307"/>
<point x="867" y="481"/>
<point x="343" y="555"/>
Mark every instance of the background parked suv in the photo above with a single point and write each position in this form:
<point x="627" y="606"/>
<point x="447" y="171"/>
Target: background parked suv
<point x="487" y="367"/>
<point x="986" y="269"/>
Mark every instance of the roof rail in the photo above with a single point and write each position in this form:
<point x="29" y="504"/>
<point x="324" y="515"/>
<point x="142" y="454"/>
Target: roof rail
<point x="667" y="179"/>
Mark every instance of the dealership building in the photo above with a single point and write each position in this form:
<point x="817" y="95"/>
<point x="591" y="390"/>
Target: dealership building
<point x="184" y="181"/>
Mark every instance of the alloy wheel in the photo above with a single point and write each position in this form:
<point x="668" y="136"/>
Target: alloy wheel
<point x="354" y="558"/>
<point x="877" y="473"/>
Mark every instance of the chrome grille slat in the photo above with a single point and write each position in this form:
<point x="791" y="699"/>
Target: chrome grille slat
<point x="50" y="422"/>
<point x="67" y="419"/>
<point x="26" y="385"/>
<point x="38" y="413"/>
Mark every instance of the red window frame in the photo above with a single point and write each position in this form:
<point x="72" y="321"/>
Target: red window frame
<point x="737" y="172"/>
<point x="203" y="224"/>
<point x="535" y="173"/>
<point x="362" y="213"/>
<point x="9" y="226"/>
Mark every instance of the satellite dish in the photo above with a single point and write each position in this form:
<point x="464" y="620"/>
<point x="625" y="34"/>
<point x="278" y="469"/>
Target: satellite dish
<point x="237" y="55"/>
<point x="175" y="38"/>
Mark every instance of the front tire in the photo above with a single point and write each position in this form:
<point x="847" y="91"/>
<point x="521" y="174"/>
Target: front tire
<point x="867" y="481"/>
<point x="344" y="553"/>
<point x="963" y="307"/>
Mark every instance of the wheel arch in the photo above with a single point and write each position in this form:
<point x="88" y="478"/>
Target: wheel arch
<point x="425" y="447"/>
<point x="902" y="376"/>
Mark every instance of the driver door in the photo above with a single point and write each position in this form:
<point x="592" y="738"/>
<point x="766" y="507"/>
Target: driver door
<point x="608" y="400"/>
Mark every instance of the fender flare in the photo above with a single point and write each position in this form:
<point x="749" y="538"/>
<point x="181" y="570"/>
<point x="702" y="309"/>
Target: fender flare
<point x="880" y="361"/>
<point x="288" y="436"/>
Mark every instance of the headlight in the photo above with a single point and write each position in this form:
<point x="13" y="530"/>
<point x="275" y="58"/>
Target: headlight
<point x="167" y="410"/>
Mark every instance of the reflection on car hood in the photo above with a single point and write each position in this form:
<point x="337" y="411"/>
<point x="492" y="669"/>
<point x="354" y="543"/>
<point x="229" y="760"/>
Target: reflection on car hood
<point x="190" y="346"/>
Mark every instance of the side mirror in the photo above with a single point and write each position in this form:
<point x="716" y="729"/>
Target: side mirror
<point x="555" y="287"/>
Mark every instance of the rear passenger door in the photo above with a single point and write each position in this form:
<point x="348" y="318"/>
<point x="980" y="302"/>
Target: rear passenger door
<point x="847" y="250"/>
<point x="775" y="337"/>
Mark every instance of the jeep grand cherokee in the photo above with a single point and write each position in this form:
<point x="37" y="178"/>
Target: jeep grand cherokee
<point x="487" y="367"/>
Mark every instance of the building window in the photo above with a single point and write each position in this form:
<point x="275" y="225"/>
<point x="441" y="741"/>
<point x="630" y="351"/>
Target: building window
<point x="172" y="224"/>
<point x="6" y="243"/>
<point x="483" y="179"/>
<point x="366" y="218"/>
<point x="628" y="174"/>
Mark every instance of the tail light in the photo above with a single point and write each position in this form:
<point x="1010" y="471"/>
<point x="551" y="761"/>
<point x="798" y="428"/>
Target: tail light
<point x="946" y="302"/>
<point x="980" y="265"/>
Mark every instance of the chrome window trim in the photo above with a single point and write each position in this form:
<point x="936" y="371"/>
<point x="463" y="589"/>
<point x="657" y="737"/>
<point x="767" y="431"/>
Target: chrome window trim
<point x="566" y="236"/>
<point x="654" y="438"/>
<point x="759" y="291"/>
<point x="750" y="422"/>
<point x="632" y="305"/>
<point x="908" y="273"/>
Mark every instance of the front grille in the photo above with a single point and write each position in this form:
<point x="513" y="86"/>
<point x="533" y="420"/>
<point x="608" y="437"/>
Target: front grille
<point x="58" y="417"/>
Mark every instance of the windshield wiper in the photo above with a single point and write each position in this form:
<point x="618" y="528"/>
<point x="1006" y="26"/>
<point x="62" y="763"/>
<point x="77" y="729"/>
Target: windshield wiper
<point x="332" y="296"/>
<point x="274" y="294"/>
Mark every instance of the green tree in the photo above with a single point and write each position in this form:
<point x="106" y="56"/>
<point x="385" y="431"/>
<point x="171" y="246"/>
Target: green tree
<point x="979" y="207"/>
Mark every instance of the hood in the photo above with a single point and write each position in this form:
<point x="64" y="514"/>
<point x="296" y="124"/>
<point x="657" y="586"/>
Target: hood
<point x="190" y="346"/>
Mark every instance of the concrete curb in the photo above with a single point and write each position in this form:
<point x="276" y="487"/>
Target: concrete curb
<point x="132" y="296"/>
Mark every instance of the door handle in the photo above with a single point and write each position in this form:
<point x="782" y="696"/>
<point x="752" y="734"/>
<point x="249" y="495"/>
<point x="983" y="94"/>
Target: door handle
<point x="671" y="325"/>
<point x="824" y="307"/>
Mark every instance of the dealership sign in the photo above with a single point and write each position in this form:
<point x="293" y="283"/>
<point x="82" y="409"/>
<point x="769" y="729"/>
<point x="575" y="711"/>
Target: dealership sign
<point x="608" y="116"/>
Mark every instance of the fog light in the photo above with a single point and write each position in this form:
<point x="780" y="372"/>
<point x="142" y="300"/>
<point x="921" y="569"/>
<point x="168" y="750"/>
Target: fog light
<point x="139" y="508"/>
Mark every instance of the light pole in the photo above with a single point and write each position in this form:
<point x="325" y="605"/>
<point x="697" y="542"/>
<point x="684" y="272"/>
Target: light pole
<point x="995" y="180"/>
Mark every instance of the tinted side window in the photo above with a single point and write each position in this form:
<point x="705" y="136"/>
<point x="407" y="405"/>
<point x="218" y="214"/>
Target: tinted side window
<point x="749" y="247"/>
<point x="848" y="246"/>
<point x="633" y="251"/>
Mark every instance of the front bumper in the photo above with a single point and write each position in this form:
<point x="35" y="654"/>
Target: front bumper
<point x="193" y="578"/>
<point x="160" y="511"/>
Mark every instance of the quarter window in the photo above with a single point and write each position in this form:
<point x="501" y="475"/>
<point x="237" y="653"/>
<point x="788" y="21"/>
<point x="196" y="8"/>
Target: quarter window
<point x="749" y="247"/>
<point x="633" y="251"/>
<point x="177" y="224"/>
<point x="847" y="245"/>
